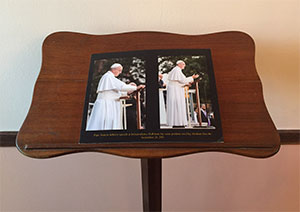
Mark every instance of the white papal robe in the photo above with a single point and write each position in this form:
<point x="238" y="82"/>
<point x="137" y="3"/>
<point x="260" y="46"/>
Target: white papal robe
<point x="105" y="114"/>
<point x="176" y="108"/>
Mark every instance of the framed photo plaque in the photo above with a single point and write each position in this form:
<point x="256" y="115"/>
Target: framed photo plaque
<point x="151" y="96"/>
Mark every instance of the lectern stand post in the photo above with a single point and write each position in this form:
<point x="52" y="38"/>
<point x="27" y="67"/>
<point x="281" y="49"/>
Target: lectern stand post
<point x="151" y="184"/>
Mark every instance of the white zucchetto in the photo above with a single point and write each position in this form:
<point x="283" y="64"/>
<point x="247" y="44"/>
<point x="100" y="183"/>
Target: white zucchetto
<point x="179" y="61"/>
<point x="116" y="65"/>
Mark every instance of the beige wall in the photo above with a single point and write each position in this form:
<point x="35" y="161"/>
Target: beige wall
<point x="200" y="182"/>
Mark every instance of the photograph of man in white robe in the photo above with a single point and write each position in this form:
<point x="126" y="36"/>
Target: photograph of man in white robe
<point x="176" y="108"/>
<point x="105" y="114"/>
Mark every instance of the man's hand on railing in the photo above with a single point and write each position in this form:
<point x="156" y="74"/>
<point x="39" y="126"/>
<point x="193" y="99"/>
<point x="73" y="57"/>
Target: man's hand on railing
<point x="132" y="83"/>
<point x="140" y="87"/>
<point x="195" y="76"/>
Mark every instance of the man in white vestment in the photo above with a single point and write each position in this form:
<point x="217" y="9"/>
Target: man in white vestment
<point x="176" y="108"/>
<point x="162" y="108"/>
<point x="105" y="114"/>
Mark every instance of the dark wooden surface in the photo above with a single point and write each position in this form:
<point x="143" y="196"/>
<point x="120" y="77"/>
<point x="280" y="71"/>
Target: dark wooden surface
<point x="151" y="183"/>
<point x="52" y="126"/>
<point x="289" y="136"/>
<point x="8" y="138"/>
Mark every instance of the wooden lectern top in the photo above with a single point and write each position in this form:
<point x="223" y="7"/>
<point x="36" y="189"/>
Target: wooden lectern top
<point x="54" y="121"/>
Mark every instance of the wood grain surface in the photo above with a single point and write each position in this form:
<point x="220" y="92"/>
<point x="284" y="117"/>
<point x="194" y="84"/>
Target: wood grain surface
<point x="52" y="126"/>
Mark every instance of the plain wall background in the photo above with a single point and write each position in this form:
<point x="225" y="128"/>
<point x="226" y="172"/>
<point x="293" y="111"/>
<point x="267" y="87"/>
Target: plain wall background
<point x="200" y="182"/>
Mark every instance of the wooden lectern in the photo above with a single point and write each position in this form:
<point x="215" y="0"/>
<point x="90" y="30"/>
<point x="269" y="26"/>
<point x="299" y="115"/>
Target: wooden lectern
<point x="53" y="124"/>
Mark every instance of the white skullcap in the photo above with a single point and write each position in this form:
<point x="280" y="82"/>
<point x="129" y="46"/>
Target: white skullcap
<point x="179" y="61"/>
<point x="116" y="65"/>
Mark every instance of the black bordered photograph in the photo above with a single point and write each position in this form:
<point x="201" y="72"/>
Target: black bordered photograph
<point x="151" y="96"/>
<point x="116" y="94"/>
<point x="181" y="78"/>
